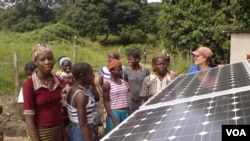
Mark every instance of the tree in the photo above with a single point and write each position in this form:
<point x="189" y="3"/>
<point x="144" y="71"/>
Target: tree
<point x="185" y="25"/>
<point x="96" y="17"/>
<point x="26" y="16"/>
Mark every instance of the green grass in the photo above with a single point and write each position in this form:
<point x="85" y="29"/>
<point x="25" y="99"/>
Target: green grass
<point x="87" y="51"/>
<point x="90" y="52"/>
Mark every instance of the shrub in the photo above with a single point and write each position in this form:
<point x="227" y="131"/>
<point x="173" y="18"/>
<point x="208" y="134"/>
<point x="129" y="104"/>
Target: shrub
<point x="55" y="32"/>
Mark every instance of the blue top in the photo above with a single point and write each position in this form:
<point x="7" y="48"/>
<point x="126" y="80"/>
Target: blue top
<point x="195" y="69"/>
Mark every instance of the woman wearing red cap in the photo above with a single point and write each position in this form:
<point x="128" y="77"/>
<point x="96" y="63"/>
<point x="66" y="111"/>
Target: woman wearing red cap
<point x="115" y="96"/>
<point x="202" y="59"/>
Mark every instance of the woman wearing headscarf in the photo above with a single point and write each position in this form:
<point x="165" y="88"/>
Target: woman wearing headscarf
<point x="42" y="96"/>
<point x="115" y="96"/>
<point x="158" y="79"/>
<point x="65" y="74"/>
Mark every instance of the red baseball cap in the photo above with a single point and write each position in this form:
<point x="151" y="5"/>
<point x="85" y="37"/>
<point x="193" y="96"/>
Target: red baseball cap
<point x="114" y="63"/>
<point x="205" y="51"/>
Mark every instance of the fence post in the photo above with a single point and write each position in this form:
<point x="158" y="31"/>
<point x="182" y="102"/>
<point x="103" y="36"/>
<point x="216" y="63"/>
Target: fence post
<point x="75" y="55"/>
<point x="16" y="71"/>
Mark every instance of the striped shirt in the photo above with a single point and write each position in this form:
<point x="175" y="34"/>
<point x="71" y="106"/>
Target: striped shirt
<point x="153" y="85"/>
<point x="72" y="111"/>
<point x="118" y="95"/>
<point x="105" y="73"/>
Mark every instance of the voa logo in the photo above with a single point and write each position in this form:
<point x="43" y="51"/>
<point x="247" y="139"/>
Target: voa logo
<point x="236" y="132"/>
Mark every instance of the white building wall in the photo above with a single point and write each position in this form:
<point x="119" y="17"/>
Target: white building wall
<point x="240" y="47"/>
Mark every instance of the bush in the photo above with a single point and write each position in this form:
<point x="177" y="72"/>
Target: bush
<point x="134" y="47"/>
<point x="132" y="35"/>
<point x="55" y="32"/>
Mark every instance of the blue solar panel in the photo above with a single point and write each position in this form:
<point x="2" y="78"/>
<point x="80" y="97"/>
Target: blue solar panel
<point x="214" y="80"/>
<point x="191" y="108"/>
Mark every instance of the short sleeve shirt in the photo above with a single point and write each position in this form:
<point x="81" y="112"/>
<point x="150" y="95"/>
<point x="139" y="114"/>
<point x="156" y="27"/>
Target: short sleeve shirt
<point x="152" y="84"/>
<point x="135" y="80"/>
<point x="194" y="69"/>
<point x="41" y="102"/>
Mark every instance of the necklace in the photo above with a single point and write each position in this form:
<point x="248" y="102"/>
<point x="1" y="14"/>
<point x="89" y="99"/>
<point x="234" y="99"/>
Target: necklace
<point x="47" y="83"/>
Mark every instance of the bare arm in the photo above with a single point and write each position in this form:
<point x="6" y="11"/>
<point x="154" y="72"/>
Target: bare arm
<point x="30" y="124"/>
<point x="100" y="83"/>
<point x="144" y="99"/>
<point x="81" y="101"/>
<point x="21" y="111"/>
<point x="29" y="110"/>
<point x="144" y="91"/>
<point x="95" y="91"/>
<point x="105" y="90"/>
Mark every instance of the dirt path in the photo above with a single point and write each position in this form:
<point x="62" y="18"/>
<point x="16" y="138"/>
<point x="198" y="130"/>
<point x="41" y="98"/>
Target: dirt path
<point x="10" y="122"/>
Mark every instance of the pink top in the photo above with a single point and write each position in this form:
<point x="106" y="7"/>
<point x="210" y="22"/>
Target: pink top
<point x="118" y="95"/>
<point x="41" y="102"/>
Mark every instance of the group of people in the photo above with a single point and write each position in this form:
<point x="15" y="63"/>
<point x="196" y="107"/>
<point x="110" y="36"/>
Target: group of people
<point x="59" y="106"/>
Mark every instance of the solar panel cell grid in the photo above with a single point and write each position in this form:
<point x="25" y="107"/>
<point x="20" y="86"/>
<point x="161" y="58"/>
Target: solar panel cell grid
<point x="191" y="112"/>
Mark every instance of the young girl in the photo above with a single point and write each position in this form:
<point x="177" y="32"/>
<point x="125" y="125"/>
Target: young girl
<point x="135" y="75"/>
<point x="67" y="80"/>
<point x="42" y="97"/>
<point x="29" y="69"/>
<point x="65" y="74"/>
<point x="115" y="96"/>
<point x="81" y="104"/>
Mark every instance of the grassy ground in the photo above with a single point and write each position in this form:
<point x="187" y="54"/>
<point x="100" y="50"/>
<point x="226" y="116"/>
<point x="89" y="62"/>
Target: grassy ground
<point x="87" y="51"/>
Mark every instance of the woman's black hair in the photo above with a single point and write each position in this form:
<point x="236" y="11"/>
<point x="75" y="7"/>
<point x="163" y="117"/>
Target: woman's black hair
<point x="30" y="67"/>
<point x="134" y="54"/>
<point x="210" y="62"/>
<point x="80" y="69"/>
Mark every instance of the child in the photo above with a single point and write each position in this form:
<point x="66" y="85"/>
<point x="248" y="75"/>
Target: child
<point x="65" y="74"/>
<point x="67" y="80"/>
<point x="115" y="96"/>
<point x="81" y="104"/>
<point x="29" y="69"/>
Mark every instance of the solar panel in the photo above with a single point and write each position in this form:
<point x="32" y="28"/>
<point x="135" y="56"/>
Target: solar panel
<point x="192" y="108"/>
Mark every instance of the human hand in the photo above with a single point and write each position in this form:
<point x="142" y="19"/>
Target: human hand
<point x="126" y="83"/>
<point x="116" y="123"/>
<point x="220" y="65"/>
<point x="182" y="74"/>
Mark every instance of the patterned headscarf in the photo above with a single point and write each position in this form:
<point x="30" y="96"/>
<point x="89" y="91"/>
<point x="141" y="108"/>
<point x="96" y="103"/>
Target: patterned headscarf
<point x="155" y="58"/>
<point x="39" y="48"/>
